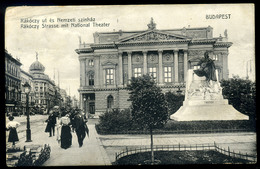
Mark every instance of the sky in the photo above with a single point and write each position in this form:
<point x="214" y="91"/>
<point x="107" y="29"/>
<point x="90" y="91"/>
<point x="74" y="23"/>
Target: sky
<point x="56" y="46"/>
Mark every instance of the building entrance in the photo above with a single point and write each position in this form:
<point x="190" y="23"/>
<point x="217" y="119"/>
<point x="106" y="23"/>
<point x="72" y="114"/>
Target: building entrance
<point x="92" y="107"/>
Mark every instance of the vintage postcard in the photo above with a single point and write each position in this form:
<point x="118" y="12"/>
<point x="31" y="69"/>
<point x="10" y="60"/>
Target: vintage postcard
<point x="130" y="85"/>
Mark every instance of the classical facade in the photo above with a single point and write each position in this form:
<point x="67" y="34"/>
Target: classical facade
<point x="12" y="83"/>
<point x="107" y="64"/>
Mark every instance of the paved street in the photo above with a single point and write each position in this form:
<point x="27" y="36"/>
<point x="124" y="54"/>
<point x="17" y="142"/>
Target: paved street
<point x="101" y="149"/>
<point x="91" y="153"/>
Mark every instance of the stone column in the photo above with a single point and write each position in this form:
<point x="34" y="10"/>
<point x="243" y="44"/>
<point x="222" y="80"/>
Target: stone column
<point x="96" y="76"/>
<point x="129" y="65"/>
<point x="120" y="67"/>
<point x="81" y="101"/>
<point x="176" y="72"/>
<point x="160" y="67"/>
<point x="145" y="61"/>
<point x="84" y="73"/>
<point x="185" y="64"/>
<point x="225" y="72"/>
<point x="81" y="72"/>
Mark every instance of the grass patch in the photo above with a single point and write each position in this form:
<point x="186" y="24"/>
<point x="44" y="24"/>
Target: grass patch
<point x="181" y="157"/>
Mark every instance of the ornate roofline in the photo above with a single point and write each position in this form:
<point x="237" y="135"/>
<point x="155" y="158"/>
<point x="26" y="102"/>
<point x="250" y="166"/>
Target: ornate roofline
<point x="155" y="31"/>
<point x="140" y="31"/>
<point x="121" y="44"/>
<point x="222" y="44"/>
<point x="153" y="42"/>
<point x="9" y="56"/>
<point x="203" y="41"/>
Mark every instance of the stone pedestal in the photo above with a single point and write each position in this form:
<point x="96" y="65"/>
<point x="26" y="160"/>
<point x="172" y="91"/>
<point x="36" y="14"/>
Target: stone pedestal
<point x="204" y="101"/>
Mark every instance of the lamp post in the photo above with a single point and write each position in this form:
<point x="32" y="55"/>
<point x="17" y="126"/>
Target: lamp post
<point x="27" y="89"/>
<point x="85" y="111"/>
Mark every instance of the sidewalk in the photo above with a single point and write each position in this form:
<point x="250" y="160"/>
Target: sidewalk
<point x="91" y="153"/>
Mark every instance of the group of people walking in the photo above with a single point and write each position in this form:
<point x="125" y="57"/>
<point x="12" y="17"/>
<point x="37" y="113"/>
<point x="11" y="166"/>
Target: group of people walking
<point x="67" y="122"/>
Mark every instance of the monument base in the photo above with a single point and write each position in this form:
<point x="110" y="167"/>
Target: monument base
<point x="207" y="110"/>
<point x="204" y="101"/>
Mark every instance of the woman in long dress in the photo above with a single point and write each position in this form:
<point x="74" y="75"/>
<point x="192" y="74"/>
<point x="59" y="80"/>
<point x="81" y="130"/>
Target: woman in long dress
<point x="66" y="137"/>
<point x="12" y="126"/>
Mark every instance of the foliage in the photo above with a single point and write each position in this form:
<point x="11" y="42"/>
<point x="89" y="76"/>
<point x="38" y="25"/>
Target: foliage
<point x="114" y="121"/>
<point x="241" y="94"/>
<point x="174" y="101"/>
<point x="181" y="157"/>
<point x="149" y="107"/>
<point x="208" y="125"/>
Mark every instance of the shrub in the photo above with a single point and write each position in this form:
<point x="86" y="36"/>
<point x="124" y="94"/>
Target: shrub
<point x="115" y="121"/>
<point x="241" y="94"/>
<point x="174" y="102"/>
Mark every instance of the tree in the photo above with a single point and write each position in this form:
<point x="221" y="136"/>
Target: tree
<point x="149" y="107"/>
<point x="241" y="94"/>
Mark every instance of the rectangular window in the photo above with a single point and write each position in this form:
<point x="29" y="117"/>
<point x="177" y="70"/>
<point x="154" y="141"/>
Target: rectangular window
<point x="137" y="72"/>
<point x="91" y="62"/>
<point x="109" y="76"/>
<point x="153" y="72"/>
<point x="167" y="74"/>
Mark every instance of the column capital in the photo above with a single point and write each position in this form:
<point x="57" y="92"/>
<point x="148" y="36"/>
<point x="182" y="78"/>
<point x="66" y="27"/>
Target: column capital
<point x="160" y="50"/>
<point x="129" y="52"/>
<point x="145" y="51"/>
<point x="175" y="50"/>
<point x="185" y="50"/>
<point x="120" y="52"/>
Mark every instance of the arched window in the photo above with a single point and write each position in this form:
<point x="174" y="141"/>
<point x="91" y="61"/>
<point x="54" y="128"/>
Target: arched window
<point x="110" y="101"/>
<point x="91" y="79"/>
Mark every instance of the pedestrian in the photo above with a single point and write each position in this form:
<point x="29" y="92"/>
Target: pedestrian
<point x="80" y="128"/>
<point x="51" y="122"/>
<point x="66" y="137"/>
<point x="12" y="126"/>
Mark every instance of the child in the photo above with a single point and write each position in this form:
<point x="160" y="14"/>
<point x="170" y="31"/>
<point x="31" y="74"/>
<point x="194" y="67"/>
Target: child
<point x="12" y="125"/>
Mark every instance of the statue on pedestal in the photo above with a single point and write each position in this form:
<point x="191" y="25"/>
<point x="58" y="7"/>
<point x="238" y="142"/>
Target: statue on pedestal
<point x="207" y="68"/>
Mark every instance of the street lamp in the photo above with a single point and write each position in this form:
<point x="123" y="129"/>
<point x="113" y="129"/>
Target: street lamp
<point x="85" y="105"/>
<point x="27" y="89"/>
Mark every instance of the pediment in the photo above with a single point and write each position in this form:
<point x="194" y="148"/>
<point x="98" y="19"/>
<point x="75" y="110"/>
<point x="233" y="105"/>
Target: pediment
<point x="153" y="35"/>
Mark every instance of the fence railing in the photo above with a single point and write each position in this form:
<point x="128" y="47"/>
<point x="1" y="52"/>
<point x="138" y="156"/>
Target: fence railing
<point x="183" y="147"/>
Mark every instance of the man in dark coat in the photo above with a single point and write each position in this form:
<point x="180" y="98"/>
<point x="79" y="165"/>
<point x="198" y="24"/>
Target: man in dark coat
<point x="80" y="128"/>
<point x="51" y="122"/>
<point x="207" y="68"/>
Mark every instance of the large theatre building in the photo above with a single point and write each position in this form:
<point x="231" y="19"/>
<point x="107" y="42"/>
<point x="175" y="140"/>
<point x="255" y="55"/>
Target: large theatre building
<point x="107" y="64"/>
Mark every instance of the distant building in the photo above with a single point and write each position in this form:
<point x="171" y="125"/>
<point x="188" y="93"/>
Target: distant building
<point x="75" y="102"/>
<point x="26" y="77"/>
<point x="12" y="83"/>
<point x="44" y="88"/>
<point x="63" y="94"/>
<point x="107" y="64"/>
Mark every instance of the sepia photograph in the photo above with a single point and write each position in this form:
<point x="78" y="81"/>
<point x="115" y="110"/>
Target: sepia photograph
<point x="113" y="85"/>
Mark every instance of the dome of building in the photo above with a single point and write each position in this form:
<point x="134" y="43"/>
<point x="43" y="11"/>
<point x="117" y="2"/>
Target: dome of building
<point x="37" y="66"/>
